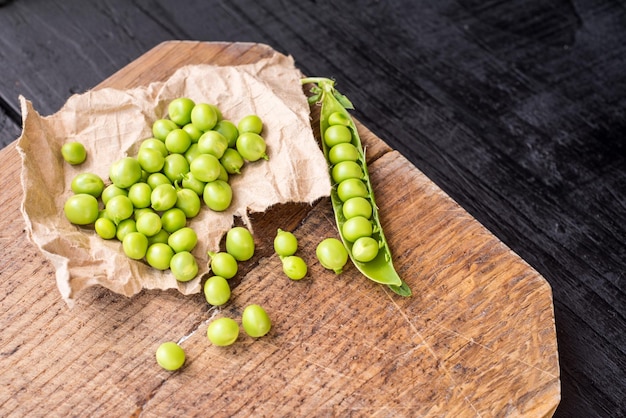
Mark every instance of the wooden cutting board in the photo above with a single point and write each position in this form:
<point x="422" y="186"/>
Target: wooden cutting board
<point x="476" y="339"/>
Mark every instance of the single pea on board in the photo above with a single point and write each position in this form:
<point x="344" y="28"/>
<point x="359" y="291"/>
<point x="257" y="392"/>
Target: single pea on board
<point x="341" y="144"/>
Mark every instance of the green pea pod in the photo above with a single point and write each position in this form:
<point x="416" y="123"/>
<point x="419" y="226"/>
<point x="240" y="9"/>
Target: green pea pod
<point x="380" y="269"/>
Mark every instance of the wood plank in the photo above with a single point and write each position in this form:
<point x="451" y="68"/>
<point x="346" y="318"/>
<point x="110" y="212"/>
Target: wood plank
<point x="476" y="339"/>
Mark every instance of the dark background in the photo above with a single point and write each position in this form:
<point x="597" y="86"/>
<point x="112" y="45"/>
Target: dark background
<point x="517" y="109"/>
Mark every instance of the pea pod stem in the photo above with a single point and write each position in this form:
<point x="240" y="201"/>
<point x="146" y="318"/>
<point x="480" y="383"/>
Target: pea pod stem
<point x="380" y="269"/>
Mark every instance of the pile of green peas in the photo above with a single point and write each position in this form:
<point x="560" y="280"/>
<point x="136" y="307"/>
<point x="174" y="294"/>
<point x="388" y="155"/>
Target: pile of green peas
<point x="348" y="174"/>
<point x="151" y="197"/>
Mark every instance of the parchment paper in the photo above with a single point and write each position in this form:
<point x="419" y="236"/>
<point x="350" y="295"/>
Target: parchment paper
<point x="112" y="123"/>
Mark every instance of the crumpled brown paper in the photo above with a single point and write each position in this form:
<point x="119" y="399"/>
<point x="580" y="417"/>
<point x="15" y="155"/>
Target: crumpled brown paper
<point x="112" y="123"/>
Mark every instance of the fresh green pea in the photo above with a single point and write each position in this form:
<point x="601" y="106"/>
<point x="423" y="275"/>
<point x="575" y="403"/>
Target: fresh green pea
<point x="223" y="332"/>
<point x="135" y="245"/>
<point x="332" y="254"/>
<point x="346" y="170"/>
<point x="105" y="228"/>
<point x="88" y="183"/>
<point x="193" y="132"/>
<point x="139" y="194"/>
<point x="155" y="179"/>
<point x="74" y="153"/>
<point x="175" y="167"/>
<point x="81" y="209"/>
<point x="337" y="134"/>
<point x="179" y="110"/>
<point x="240" y="243"/>
<point x="339" y="118"/>
<point x="343" y="152"/>
<point x="356" y="227"/>
<point x="232" y="161"/>
<point x="177" y="141"/>
<point x="192" y="152"/>
<point x="125" y="172"/>
<point x="160" y="237"/>
<point x="124" y="228"/>
<point x="205" y="167"/>
<point x="173" y="219"/>
<point x="188" y="201"/>
<point x="170" y="356"/>
<point x="285" y="243"/>
<point x="216" y="290"/>
<point x="163" y="197"/>
<point x="192" y="183"/>
<point x="223" y="264"/>
<point x="255" y="321"/>
<point x="217" y="195"/>
<point x="365" y="249"/>
<point x="357" y="206"/>
<point x="203" y="116"/>
<point x="110" y="191"/>
<point x="159" y="255"/>
<point x="250" y="123"/>
<point x="119" y="207"/>
<point x="183" y="239"/>
<point x="148" y="223"/>
<point x="350" y="188"/>
<point x="162" y="127"/>
<point x="229" y="130"/>
<point x="213" y="143"/>
<point x="155" y="144"/>
<point x="294" y="267"/>
<point x="150" y="159"/>
<point x="251" y="146"/>
<point x="184" y="266"/>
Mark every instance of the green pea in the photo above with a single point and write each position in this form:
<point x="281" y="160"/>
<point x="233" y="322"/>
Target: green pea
<point x="135" y="245"/>
<point x="285" y="243"/>
<point x="343" y="152"/>
<point x="105" y="228"/>
<point x="255" y="321"/>
<point x="203" y="116"/>
<point x="365" y="249"/>
<point x="139" y="194"/>
<point x="240" y="243"/>
<point x="250" y="123"/>
<point x="346" y="170"/>
<point x="294" y="267"/>
<point x="125" y="172"/>
<point x="188" y="201"/>
<point x="350" y="188"/>
<point x="357" y="206"/>
<point x="161" y="127"/>
<point x="88" y="183"/>
<point x="332" y="254"/>
<point x="213" y="143"/>
<point x="179" y="110"/>
<point x="356" y="227"/>
<point x="223" y="264"/>
<point x="74" y="153"/>
<point x="217" y="195"/>
<point x="148" y="223"/>
<point x="81" y="209"/>
<point x="159" y="255"/>
<point x="337" y="134"/>
<point x="216" y="290"/>
<point x="223" y="332"/>
<point x="170" y="356"/>
<point x="229" y="130"/>
<point x="124" y="228"/>
<point x="173" y="219"/>
<point x="184" y="266"/>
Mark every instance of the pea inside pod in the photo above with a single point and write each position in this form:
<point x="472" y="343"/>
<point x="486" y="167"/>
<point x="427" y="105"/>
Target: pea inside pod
<point x="353" y="188"/>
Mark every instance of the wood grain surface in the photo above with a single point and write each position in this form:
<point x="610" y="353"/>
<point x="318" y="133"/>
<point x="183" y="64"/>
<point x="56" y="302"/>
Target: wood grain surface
<point x="476" y="339"/>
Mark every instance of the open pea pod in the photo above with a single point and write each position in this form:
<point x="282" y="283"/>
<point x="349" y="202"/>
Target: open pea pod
<point x="380" y="269"/>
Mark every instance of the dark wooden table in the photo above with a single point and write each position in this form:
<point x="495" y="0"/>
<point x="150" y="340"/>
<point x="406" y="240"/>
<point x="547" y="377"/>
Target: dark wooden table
<point x="516" y="109"/>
